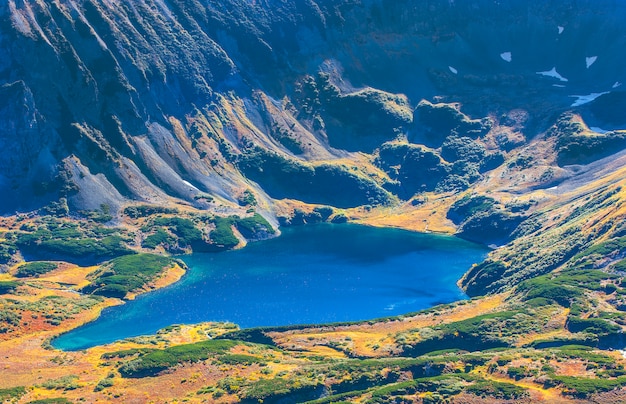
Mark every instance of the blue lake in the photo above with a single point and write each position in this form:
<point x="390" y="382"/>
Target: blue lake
<point x="311" y="274"/>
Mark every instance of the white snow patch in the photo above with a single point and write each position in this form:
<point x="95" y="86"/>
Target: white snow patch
<point x="190" y="185"/>
<point x="453" y="70"/>
<point x="623" y="352"/>
<point x="558" y="85"/>
<point x="590" y="60"/>
<point x="598" y="130"/>
<point x="617" y="84"/>
<point x="506" y="56"/>
<point x="561" y="29"/>
<point x="584" y="99"/>
<point x="552" y="73"/>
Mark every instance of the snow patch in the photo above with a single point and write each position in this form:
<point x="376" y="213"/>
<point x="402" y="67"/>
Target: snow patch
<point x="506" y="56"/>
<point x="598" y="130"/>
<point x="190" y="185"/>
<point x="558" y="85"/>
<point x="453" y="70"/>
<point x="585" y="99"/>
<point x="561" y="29"/>
<point x="617" y="84"/>
<point x="552" y="73"/>
<point x="590" y="60"/>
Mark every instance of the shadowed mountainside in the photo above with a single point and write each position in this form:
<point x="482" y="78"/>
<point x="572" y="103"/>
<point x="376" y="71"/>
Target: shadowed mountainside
<point x="162" y="101"/>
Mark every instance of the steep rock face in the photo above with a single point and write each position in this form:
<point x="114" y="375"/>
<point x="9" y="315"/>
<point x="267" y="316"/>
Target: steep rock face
<point x="186" y="101"/>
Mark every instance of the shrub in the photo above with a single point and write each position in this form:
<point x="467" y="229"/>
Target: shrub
<point x="238" y="359"/>
<point x="583" y="387"/>
<point x="254" y="226"/>
<point x="12" y="393"/>
<point x="126" y="274"/>
<point x="495" y="389"/>
<point x="34" y="269"/>
<point x="159" y="237"/>
<point x="136" y="212"/>
<point x="156" y="361"/>
<point x="103" y="384"/>
<point x="223" y="235"/>
<point x="8" y="286"/>
<point x="184" y="229"/>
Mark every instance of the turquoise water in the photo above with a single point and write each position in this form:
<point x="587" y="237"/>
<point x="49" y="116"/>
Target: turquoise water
<point x="311" y="274"/>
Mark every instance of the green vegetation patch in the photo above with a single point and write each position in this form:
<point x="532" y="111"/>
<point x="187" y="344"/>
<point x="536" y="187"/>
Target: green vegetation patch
<point x="253" y="227"/>
<point x="184" y="229"/>
<point x="473" y="334"/>
<point x="138" y="211"/>
<point x="159" y="237"/>
<point x="596" y="326"/>
<point x="31" y="269"/>
<point x="156" y="361"/>
<point x="56" y="400"/>
<point x="125" y="353"/>
<point x="297" y="390"/>
<point x="68" y="382"/>
<point x="493" y="389"/>
<point x="240" y="359"/>
<point x="126" y="274"/>
<point x="564" y="287"/>
<point x="8" y="286"/>
<point x="223" y="236"/>
<point x="51" y="238"/>
<point x="12" y="393"/>
<point x="583" y="387"/>
<point x="6" y="252"/>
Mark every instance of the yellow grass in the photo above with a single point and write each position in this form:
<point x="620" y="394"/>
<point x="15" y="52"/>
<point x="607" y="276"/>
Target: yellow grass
<point x="71" y="275"/>
<point x="551" y="395"/>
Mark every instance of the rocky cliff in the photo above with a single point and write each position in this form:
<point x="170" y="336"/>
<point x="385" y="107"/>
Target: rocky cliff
<point x="171" y="100"/>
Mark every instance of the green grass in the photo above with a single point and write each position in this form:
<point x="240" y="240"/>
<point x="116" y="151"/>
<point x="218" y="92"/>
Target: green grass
<point x="35" y="269"/>
<point x="156" y="361"/>
<point x="6" y="252"/>
<point x="604" y="248"/>
<point x="493" y="389"/>
<point x="125" y="353"/>
<point x="103" y="384"/>
<point x="278" y="388"/>
<point x="13" y="393"/>
<point x="63" y="383"/>
<point x="583" y="387"/>
<point x="159" y="237"/>
<point x="596" y="326"/>
<point x="564" y="287"/>
<point x="8" y="286"/>
<point x="126" y="274"/>
<point x="223" y="235"/>
<point x="240" y="359"/>
<point x="52" y="238"/>
<point x="252" y="227"/>
<point x="184" y="229"/>
<point x="57" y="400"/>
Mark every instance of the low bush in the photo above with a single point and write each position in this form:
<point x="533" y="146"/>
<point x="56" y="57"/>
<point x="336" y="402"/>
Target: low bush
<point x="10" y="394"/>
<point x="8" y="286"/>
<point x="155" y="361"/>
<point x="126" y="274"/>
<point x="493" y="389"/>
<point x="35" y="269"/>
